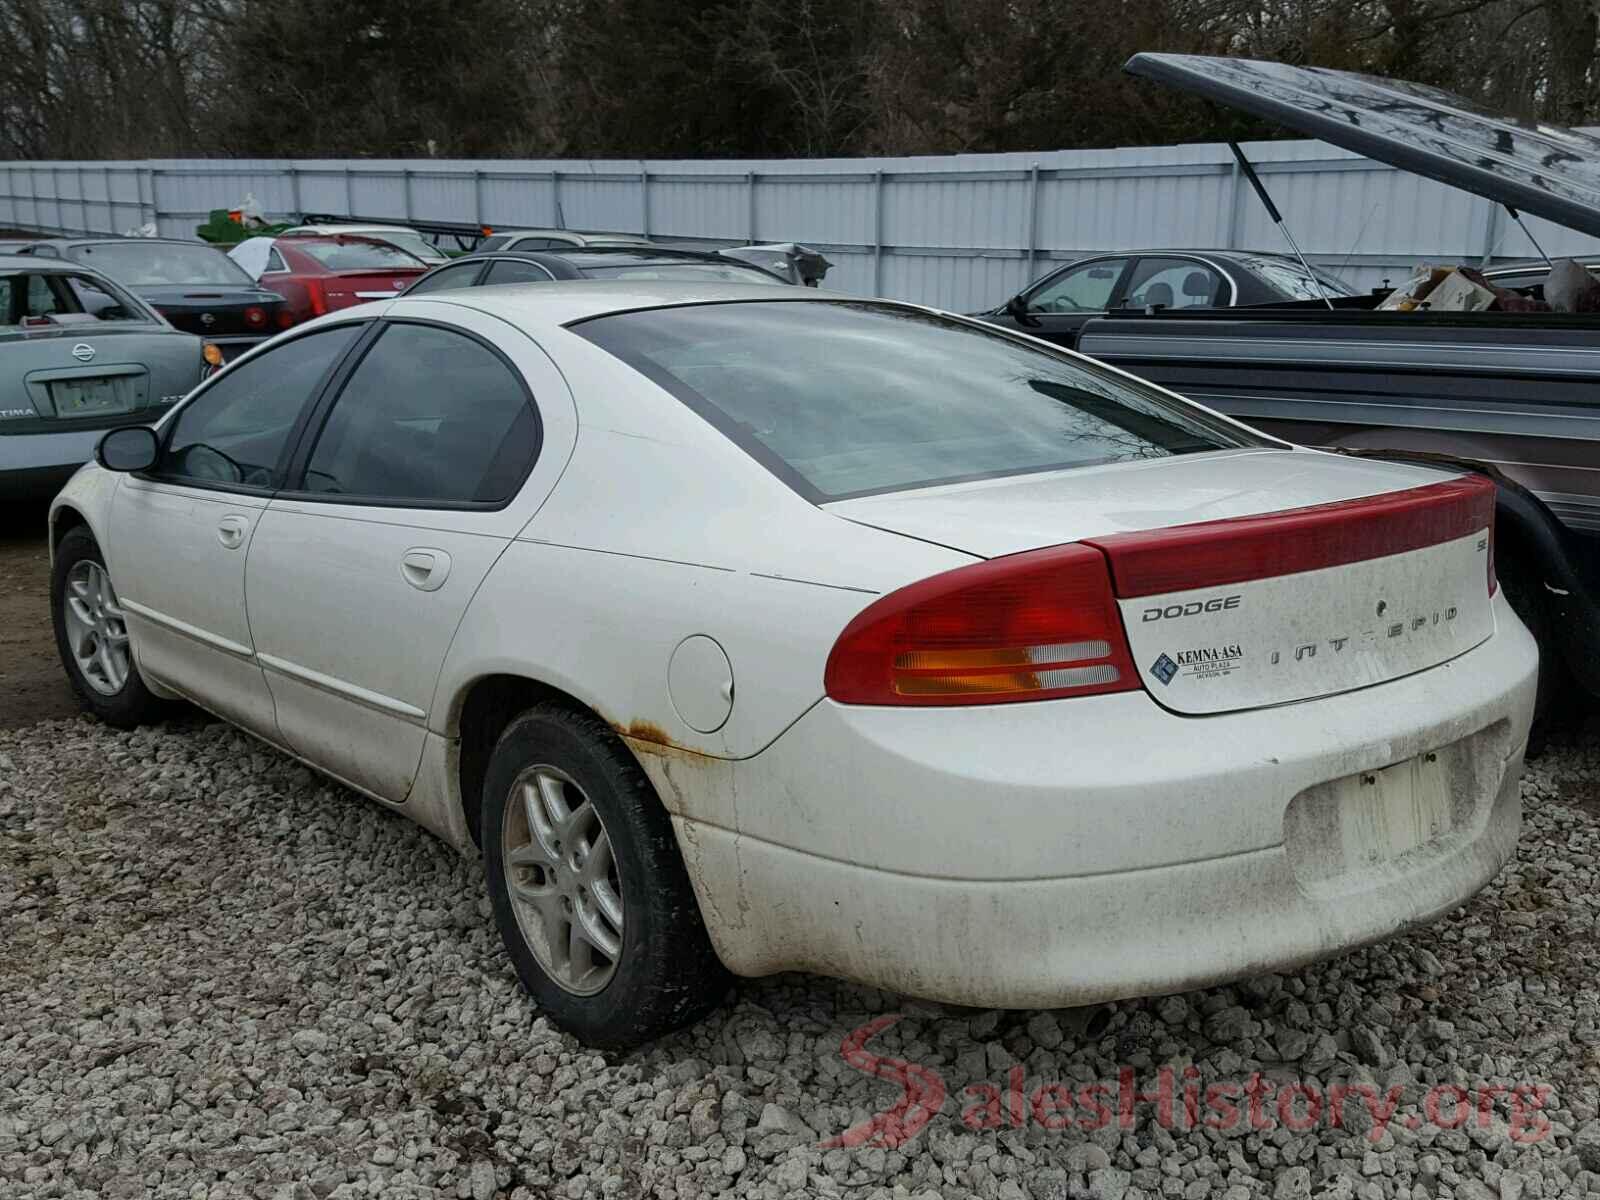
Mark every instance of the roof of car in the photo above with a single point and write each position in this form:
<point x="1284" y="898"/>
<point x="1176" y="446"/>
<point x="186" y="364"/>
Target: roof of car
<point x="325" y="228"/>
<point x="32" y="262"/>
<point x="102" y="239"/>
<point x="582" y="233"/>
<point x="548" y="305"/>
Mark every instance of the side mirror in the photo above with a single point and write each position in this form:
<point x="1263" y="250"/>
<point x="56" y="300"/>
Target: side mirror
<point x="131" y="448"/>
<point x="1017" y="309"/>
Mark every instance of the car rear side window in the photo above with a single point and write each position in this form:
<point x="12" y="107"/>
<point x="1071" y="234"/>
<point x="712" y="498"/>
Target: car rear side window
<point x="430" y="416"/>
<point x="844" y="398"/>
<point x="236" y="431"/>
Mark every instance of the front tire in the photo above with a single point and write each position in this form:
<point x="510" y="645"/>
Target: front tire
<point x="92" y="636"/>
<point x="589" y="891"/>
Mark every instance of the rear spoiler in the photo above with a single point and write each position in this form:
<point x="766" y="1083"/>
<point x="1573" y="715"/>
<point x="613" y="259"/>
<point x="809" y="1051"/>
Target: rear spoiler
<point x="466" y="235"/>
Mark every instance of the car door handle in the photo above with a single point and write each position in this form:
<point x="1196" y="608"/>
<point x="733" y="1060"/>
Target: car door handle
<point x="425" y="569"/>
<point x="231" y="531"/>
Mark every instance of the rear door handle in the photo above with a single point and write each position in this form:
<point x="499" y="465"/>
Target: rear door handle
<point x="425" y="568"/>
<point x="231" y="530"/>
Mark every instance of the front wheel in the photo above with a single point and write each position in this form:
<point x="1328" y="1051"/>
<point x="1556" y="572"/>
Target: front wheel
<point x="589" y="892"/>
<point x="92" y="636"/>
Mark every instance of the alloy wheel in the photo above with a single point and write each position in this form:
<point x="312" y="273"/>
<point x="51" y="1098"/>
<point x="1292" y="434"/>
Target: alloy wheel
<point x="97" y="632"/>
<point x="562" y="876"/>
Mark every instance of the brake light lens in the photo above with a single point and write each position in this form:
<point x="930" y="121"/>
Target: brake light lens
<point x="255" y="316"/>
<point x="285" y="318"/>
<point x="318" y="296"/>
<point x="1035" y="626"/>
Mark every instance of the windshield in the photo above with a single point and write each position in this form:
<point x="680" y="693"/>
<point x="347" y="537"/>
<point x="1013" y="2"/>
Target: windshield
<point x="41" y="298"/>
<point x="413" y="243"/>
<point x="1290" y="278"/>
<point x="847" y="398"/>
<point x="348" y="254"/>
<point x="706" y="272"/>
<point x="153" y="264"/>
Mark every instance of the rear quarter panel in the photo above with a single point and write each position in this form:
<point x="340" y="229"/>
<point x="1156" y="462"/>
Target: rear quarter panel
<point x="660" y="529"/>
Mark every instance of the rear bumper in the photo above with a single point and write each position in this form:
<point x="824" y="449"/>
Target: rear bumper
<point x="35" y="465"/>
<point x="1081" y="851"/>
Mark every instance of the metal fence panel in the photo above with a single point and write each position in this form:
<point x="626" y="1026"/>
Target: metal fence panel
<point x="959" y="231"/>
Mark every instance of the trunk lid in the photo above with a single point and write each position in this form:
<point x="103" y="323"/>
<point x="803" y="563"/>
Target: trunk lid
<point x="215" y="311"/>
<point x="1539" y="168"/>
<point x="347" y="288"/>
<point x="1247" y="578"/>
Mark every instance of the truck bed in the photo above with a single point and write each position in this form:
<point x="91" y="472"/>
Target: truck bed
<point x="1520" y="391"/>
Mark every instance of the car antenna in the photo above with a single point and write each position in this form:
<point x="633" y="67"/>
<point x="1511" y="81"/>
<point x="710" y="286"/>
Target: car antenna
<point x="1277" y="217"/>
<point x="1517" y="217"/>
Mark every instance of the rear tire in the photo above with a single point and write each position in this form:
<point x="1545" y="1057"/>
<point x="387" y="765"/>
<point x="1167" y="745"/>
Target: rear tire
<point x="92" y="638"/>
<point x="588" y="888"/>
<point x="1525" y="593"/>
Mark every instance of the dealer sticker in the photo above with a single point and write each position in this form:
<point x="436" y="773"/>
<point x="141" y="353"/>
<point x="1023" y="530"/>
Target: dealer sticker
<point x="1202" y="662"/>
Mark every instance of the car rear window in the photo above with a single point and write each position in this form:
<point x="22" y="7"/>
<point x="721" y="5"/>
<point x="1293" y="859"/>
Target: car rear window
<point x="345" y="255"/>
<point x="846" y="398"/>
<point x="151" y="264"/>
<point x="1295" y="282"/>
<point x="698" y="272"/>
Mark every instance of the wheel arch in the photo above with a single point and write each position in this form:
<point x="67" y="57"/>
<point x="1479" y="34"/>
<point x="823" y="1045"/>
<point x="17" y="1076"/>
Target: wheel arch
<point x="478" y="714"/>
<point x="63" y="520"/>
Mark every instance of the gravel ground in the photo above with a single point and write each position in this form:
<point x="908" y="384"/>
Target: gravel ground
<point x="32" y="683"/>
<point x="221" y="976"/>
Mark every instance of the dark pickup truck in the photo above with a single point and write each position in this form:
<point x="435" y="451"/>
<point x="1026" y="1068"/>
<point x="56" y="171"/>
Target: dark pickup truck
<point x="1515" y="395"/>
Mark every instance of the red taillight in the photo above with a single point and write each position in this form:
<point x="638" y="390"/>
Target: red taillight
<point x="285" y="318"/>
<point x="1154" y="562"/>
<point x="255" y="316"/>
<point x="1032" y="626"/>
<point x="318" y="296"/>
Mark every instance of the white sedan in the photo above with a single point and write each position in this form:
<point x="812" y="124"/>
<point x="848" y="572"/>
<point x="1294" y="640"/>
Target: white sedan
<point x="747" y="633"/>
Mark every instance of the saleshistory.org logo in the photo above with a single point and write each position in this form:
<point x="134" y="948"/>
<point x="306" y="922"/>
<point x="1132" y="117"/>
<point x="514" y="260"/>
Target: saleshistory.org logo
<point x="1178" y="1100"/>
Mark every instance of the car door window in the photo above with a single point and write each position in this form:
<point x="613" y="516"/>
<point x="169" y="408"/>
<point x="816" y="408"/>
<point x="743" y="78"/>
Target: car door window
<point x="459" y="276"/>
<point x="1087" y="287"/>
<point x="1174" y="283"/>
<point x="275" y="263"/>
<point x="235" y="432"/>
<point x="430" y="416"/>
<point x="44" y="300"/>
<point x="509" y="270"/>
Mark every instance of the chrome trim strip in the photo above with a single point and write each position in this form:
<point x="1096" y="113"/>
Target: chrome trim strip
<point x="192" y="632"/>
<point x="377" y="295"/>
<point x="338" y="687"/>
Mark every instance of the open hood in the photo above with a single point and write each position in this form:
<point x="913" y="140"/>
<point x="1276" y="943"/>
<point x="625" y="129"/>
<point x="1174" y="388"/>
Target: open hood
<point x="1547" y="170"/>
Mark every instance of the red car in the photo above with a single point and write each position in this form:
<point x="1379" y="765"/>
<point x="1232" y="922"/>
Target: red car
<point x="318" y="273"/>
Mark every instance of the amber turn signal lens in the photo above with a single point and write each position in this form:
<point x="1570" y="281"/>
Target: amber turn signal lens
<point x="212" y="353"/>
